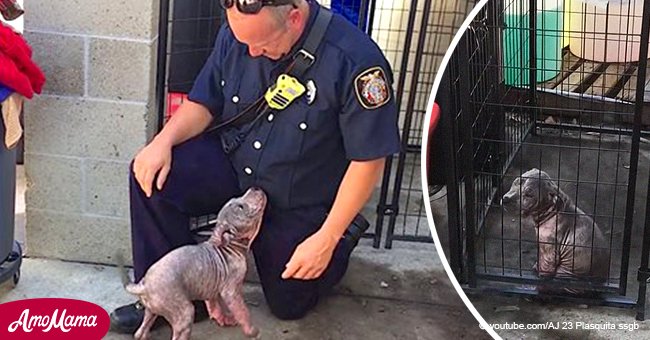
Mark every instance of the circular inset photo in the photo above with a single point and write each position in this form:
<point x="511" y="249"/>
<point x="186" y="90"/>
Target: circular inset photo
<point x="536" y="167"/>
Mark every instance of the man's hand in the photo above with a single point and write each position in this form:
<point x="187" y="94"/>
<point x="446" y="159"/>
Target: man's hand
<point x="311" y="257"/>
<point x="155" y="158"/>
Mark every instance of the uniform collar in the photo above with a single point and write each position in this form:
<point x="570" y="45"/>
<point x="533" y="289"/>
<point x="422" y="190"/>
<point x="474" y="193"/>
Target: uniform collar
<point x="314" y="7"/>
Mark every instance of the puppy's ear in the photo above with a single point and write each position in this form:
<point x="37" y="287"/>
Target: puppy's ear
<point x="556" y="197"/>
<point x="257" y="230"/>
<point x="555" y="187"/>
<point x="218" y="235"/>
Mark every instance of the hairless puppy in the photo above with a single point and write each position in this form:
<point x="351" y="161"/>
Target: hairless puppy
<point x="212" y="271"/>
<point x="570" y="243"/>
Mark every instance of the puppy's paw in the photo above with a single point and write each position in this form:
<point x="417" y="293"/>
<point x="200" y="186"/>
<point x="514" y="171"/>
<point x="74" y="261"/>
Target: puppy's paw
<point x="251" y="332"/>
<point x="140" y="335"/>
<point x="225" y="320"/>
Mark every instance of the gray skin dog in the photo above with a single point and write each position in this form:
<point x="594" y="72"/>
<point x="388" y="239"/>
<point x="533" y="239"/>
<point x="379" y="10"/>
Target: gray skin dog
<point x="212" y="271"/>
<point x="570" y="243"/>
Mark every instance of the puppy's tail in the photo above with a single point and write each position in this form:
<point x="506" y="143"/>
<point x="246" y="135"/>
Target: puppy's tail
<point x="124" y="275"/>
<point x="133" y="288"/>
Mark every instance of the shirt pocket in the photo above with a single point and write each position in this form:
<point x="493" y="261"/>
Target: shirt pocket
<point x="290" y="129"/>
<point x="319" y="124"/>
<point x="237" y="98"/>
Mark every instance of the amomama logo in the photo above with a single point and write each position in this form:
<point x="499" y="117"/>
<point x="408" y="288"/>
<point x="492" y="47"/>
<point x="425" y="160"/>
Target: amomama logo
<point x="52" y="318"/>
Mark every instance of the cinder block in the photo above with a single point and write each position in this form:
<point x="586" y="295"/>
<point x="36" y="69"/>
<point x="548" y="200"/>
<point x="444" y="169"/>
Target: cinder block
<point x="53" y="183"/>
<point x="62" y="60"/>
<point x="84" y="128"/>
<point x="76" y="237"/>
<point x="107" y="188"/>
<point x="153" y="115"/>
<point x="125" y="19"/>
<point x="120" y="70"/>
<point x="152" y="122"/>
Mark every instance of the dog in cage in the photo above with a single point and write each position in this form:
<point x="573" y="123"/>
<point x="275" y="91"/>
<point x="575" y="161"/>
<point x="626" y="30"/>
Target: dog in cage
<point x="570" y="243"/>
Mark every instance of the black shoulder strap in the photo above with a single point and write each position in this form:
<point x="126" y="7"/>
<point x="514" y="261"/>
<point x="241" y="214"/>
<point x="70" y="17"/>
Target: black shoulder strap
<point x="305" y="57"/>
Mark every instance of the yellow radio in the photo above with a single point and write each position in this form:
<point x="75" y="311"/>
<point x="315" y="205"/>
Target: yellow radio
<point x="283" y="92"/>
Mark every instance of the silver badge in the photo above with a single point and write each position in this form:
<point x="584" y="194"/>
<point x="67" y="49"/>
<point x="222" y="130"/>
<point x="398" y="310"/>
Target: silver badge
<point x="311" y="92"/>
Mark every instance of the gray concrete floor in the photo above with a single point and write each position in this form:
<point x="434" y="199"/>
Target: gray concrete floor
<point x="402" y="293"/>
<point x="510" y="242"/>
<point x="508" y="310"/>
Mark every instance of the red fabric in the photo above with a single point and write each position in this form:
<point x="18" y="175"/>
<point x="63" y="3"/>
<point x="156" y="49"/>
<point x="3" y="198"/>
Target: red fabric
<point x="13" y="78"/>
<point x="433" y="123"/>
<point x="17" y="70"/>
<point x="174" y="101"/>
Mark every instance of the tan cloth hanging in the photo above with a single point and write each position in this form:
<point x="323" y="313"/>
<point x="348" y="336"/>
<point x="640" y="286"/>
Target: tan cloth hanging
<point x="11" y="109"/>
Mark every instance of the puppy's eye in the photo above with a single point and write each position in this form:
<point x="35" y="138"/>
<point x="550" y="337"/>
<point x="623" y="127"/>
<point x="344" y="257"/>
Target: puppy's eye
<point x="240" y="207"/>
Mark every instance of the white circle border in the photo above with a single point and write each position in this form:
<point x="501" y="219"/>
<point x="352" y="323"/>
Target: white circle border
<point x="423" y="163"/>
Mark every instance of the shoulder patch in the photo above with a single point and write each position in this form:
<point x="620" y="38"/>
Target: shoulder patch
<point x="371" y="88"/>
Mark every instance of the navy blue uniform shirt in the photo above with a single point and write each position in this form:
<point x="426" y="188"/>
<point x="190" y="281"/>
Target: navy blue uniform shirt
<point x="299" y="155"/>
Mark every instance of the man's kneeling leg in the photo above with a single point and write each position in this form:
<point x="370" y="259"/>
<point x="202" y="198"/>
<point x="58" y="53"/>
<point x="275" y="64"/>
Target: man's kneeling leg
<point x="290" y="299"/>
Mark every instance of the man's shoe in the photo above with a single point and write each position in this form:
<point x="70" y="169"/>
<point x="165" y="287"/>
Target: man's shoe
<point x="355" y="231"/>
<point x="127" y="319"/>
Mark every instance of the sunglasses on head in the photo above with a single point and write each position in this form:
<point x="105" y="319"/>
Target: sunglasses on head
<point x="253" y="6"/>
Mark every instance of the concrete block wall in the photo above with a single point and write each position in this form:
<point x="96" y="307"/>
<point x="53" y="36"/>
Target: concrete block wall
<point x="97" y="110"/>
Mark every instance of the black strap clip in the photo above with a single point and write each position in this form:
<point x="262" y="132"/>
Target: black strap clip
<point x="308" y="57"/>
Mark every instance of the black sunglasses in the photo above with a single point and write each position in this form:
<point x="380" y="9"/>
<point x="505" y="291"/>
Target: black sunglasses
<point x="253" y="6"/>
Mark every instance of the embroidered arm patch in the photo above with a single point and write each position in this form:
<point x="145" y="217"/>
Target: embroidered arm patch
<point x="371" y="88"/>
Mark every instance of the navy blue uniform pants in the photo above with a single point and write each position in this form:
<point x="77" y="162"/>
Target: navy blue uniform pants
<point x="200" y="182"/>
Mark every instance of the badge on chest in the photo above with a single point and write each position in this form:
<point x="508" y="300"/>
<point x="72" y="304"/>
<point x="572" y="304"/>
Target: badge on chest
<point x="310" y="96"/>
